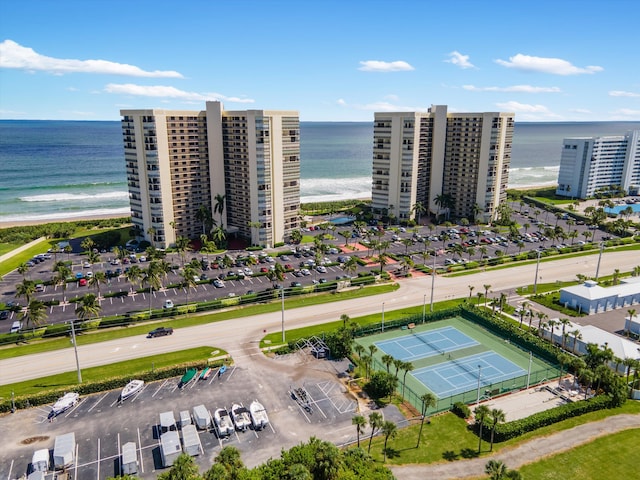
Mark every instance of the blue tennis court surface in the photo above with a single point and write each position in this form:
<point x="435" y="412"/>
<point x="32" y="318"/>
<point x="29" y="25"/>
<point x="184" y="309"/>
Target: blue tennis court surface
<point x="461" y="375"/>
<point x="426" y="344"/>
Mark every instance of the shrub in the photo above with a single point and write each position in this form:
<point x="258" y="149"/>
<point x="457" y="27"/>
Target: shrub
<point x="382" y="384"/>
<point x="462" y="410"/>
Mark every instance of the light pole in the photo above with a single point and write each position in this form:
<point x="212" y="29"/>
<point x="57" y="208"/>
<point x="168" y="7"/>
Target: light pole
<point x="535" y="280"/>
<point x="382" y="317"/>
<point x="599" y="258"/>
<point x="282" y="296"/>
<point x="479" y="376"/>
<point x="529" y="371"/>
<point x="433" y="279"/>
<point x="75" y="349"/>
<point x="424" y="306"/>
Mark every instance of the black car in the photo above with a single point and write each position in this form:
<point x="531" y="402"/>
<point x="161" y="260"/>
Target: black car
<point x="4" y="314"/>
<point x="160" y="332"/>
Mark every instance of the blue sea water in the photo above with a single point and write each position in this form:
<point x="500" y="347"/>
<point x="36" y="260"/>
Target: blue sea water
<point x="66" y="169"/>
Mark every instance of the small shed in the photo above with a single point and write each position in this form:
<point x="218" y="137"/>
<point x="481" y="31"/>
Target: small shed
<point x="185" y="418"/>
<point x="201" y="417"/>
<point x="40" y="460"/>
<point x="64" y="450"/>
<point x="170" y="448"/>
<point x="191" y="440"/>
<point x="129" y="459"/>
<point x="167" y="422"/>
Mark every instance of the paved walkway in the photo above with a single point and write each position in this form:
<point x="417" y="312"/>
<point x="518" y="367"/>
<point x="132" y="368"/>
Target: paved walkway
<point x="522" y="454"/>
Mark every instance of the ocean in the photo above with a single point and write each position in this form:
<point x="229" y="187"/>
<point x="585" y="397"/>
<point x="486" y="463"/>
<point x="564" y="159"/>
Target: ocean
<point x="70" y="169"/>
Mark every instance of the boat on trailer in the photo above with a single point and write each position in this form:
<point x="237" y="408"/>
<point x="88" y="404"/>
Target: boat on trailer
<point x="64" y="403"/>
<point x="130" y="389"/>
<point x="241" y="417"/>
<point x="259" y="418"/>
<point x="223" y="422"/>
<point x="206" y="373"/>
<point x="188" y="376"/>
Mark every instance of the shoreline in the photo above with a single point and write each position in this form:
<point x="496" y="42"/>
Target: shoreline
<point x="26" y="223"/>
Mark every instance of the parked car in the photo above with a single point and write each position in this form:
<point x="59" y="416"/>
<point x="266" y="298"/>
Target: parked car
<point x="168" y="304"/>
<point x="82" y="282"/>
<point x="160" y="332"/>
<point x="4" y="314"/>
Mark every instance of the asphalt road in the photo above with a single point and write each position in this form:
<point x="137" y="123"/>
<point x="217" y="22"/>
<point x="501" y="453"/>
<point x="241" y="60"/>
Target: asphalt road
<point x="236" y="335"/>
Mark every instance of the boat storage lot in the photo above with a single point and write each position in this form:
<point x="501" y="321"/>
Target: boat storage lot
<point x="102" y="426"/>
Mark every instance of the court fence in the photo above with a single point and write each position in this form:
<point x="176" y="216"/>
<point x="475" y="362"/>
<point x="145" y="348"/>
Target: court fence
<point x="524" y="340"/>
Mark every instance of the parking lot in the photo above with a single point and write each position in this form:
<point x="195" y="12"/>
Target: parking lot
<point x="102" y="425"/>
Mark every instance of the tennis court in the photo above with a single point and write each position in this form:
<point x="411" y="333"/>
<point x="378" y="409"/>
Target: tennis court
<point x="449" y="355"/>
<point x="461" y="375"/>
<point x="426" y="344"/>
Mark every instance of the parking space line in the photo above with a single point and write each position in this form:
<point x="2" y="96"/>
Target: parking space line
<point x="98" y="465"/>
<point x="119" y="453"/>
<point x="10" y="468"/>
<point x="73" y="409"/>
<point x="232" y="370"/>
<point x="159" y="388"/>
<point x="140" y="450"/>
<point x="101" y="398"/>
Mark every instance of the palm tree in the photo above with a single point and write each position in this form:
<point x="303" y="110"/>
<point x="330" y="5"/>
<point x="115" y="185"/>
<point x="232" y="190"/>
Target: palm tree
<point x="203" y="215"/>
<point x="497" y="416"/>
<point x="23" y="269"/>
<point x="182" y="247"/>
<point x="95" y="281"/>
<point x="428" y="400"/>
<point x="389" y="430"/>
<point x="67" y="249"/>
<point x="564" y="322"/>
<point x="344" y="317"/>
<point x="418" y="209"/>
<point x="26" y="289"/>
<point x="407" y="367"/>
<point x="60" y="278"/>
<point x="88" y="244"/>
<point x="219" y="206"/>
<point x="577" y="335"/>
<point x="563" y="359"/>
<point x="256" y="226"/>
<point x="36" y="313"/>
<point x="360" y="422"/>
<point x="476" y="210"/>
<point x="482" y="413"/>
<point x="486" y="293"/>
<point x="471" y="288"/>
<point x="151" y="279"/>
<point x="523" y="311"/>
<point x="359" y="349"/>
<point x="496" y="469"/>
<point x="188" y="281"/>
<point x="387" y="360"/>
<point x="134" y="275"/>
<point x="632" y="313"/>
<point x="89" y="307"/>
<point x="372" y="349"/>
<point x="350" y="266"/>
<point x="375" y="422"/>
<point x="398" y="364"/>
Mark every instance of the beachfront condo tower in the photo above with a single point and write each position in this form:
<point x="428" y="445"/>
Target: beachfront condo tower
<point x="190" y="172"/>
<point x="591" y="165"/>
<point x="452" y="165"/>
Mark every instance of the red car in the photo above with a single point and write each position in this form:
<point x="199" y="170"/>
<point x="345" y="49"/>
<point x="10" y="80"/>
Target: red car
<point x="264" y="269"/>
<point x="82" y="282"/>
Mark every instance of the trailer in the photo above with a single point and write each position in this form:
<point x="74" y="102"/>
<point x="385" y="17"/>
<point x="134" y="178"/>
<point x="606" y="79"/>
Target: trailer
<point x="129" y="459"/>
<point x="64" y="450"/>
<point x="167" y="422"/>
<point x="40" y="460"/>
<point x="170" y="448"/>
<point x="191" y="440"/>
<point x="185" y="418"/>
<point x="201" y="417"/>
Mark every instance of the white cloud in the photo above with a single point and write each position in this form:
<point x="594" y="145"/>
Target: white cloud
<point x="163" y="91"/>
<point x="625" y="114"/>
<point x="380" y="66"/>
<point x="555" y="66"/>
<point x="583" y="111"/>
<point x="518" y="107"/>
<point x="460" y="60"/>
<point x="13" y="55"/>
<point x="620" y="93"/>
<point x="382" y="107"/>
<point x="513" y="88"/>
<point x="341" y="102"/>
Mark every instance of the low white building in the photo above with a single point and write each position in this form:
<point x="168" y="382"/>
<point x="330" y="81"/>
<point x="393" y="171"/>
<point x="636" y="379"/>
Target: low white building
<point x="632" y="324"/>
<point x="577" y="343"/>
<point x="592" y="298"/>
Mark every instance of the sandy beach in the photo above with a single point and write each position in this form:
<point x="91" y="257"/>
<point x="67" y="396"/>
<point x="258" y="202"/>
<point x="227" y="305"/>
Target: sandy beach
<point x="57" y="220"/>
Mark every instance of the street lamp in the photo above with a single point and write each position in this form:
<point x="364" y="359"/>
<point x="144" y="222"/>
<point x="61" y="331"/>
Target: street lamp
<point x="424" y="305"/>
<point x="535" y="280"/>
<point x="479" y="376"/>
<point x="599" y="258"/>
<point x="433" y="279"/>
<point x="282" y="296"/>
<point x="382" y="317"/>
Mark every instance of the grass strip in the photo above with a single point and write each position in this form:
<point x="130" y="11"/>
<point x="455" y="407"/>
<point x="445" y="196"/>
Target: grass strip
<point x="128" y="368"/>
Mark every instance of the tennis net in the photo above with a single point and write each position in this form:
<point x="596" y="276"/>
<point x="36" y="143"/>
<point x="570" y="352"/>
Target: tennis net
<point x="464" y="366"/>
<point x="429" y="344"/>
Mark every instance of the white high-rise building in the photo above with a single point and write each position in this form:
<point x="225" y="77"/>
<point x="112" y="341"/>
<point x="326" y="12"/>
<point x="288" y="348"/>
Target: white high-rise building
<point x="593" y="164"/>
<point x="425" y="158"/>
<point x="183" y="163"/>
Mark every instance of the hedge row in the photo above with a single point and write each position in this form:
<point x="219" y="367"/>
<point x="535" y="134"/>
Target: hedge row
<point x="88" y="388"/>
<point x="509" y="430"/>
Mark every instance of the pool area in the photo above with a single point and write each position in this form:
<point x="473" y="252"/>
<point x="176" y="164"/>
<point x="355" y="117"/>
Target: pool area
<point x="342" y="220"/>
<point x="619" y="208"/>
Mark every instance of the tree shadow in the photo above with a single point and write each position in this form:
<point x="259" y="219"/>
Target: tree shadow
<point x="469" y="453"/>
<point x="450" y="455"/>
<point x="392" y="452"/>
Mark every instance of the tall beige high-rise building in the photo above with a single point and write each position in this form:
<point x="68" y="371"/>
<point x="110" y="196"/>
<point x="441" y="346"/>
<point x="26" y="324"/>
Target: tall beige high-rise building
<point x="183" y="165"/>
<point x="456" y="164"/>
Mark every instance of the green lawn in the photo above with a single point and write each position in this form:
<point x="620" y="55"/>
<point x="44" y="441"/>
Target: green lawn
<point x="128" y="368"/>
<point x="317" y="330"/>
<point x="613" y="456"/>
<point x="115" y="333"/>
<point x="13" y="262"/>
<point x="447" y="438"/>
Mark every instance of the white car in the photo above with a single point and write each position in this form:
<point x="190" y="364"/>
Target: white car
<point x="168" y="304"/>
<point x="247" y="271"/>
<point x="305" y="272"/>
<point x="86" y="265"/>
<point x="321" y="269"/>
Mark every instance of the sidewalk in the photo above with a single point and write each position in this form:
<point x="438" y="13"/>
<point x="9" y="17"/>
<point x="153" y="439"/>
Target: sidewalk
<point x="522" y="454"/>
<point x="16" y="251"/>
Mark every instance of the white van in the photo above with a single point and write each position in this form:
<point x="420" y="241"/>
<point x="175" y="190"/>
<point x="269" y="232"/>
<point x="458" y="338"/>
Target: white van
<point x="16" y="327"/>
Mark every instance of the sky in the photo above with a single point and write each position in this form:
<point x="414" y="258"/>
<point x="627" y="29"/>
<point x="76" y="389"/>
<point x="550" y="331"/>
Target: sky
<point x="544" y="60"/>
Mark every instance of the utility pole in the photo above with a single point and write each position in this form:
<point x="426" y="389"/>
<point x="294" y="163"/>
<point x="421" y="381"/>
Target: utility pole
<point x="75" y="349"/>
<point x="535" y="280"/>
